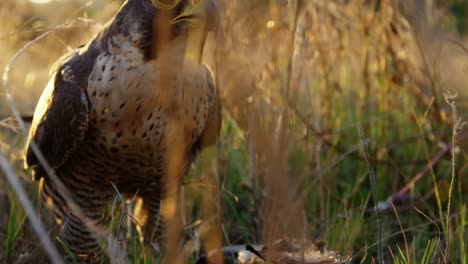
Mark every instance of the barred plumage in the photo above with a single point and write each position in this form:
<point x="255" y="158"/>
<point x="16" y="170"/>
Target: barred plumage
<point x="100" y="123"/>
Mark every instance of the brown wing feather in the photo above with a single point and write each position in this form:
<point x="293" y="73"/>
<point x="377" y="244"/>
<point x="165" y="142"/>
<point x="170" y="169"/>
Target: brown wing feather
<point x="213" y="123"/>
<point x="60" y="121"/>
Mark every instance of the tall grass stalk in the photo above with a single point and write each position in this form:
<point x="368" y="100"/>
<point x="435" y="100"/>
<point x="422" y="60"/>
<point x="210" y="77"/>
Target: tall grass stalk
<point x="373" y="182"/>
<point x="456" y="128"/>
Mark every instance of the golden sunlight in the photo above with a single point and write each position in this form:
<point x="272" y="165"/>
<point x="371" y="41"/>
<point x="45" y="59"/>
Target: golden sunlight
<point x="40" y="1"/>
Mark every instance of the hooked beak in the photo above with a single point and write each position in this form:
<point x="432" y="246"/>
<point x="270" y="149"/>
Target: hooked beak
<point x="199" y="10"/>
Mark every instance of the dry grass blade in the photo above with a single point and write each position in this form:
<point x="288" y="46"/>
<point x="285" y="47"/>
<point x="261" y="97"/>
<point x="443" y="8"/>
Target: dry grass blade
<point x="175" y="142"/>
<point x="27" y="205"/>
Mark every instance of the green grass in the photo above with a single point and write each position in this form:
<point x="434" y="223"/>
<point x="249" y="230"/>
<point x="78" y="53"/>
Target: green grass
<point x="67" y="251"/>
<point x="15" y="225"/>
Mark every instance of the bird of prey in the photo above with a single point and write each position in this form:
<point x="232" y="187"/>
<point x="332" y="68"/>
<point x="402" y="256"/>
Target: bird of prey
<point x="102" y="122"/>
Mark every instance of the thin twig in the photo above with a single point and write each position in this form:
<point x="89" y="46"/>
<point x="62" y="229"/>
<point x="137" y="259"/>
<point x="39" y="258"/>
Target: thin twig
<point x="403" y="193"/>
<point x="402" y="232"/>
<point x="399" y="197"/>
<point x="373" y="183"/>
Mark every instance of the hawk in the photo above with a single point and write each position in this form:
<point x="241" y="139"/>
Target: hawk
<point x="101" y="122"/>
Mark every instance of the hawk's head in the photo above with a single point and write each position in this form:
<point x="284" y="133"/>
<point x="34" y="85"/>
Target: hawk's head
<point x="146" y="22"/>
<point x="189" y="21"/>
<point x="190" y="14"/>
